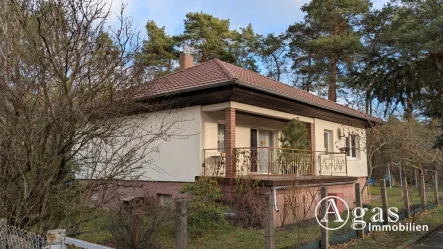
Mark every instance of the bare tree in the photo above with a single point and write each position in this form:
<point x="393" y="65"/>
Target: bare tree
<point x="68" y="109"/>
<point x="406" y="145"/>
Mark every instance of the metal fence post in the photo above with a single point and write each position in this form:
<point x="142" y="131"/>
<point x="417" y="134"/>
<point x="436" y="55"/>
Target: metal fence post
<point x="406" y="198"/>
<point x="437" y="201"/>
<point x="422" y="191"/>
<point x="182" y="220"/>
<point x="269" y="221"/>
<point x="55" y="239"/>
<point x="358" y="203"/>
<point x="324" y="207"/>
<point x="384" y="200"/>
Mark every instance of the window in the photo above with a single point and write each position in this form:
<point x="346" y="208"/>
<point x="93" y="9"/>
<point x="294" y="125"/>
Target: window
<point x="352" y="145"/>
<point x="221" y="137"/>
<point x="165" y="199"/>
<point x="328" y="143"/>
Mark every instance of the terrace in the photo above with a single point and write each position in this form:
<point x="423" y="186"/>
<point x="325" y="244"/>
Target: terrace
<point x="274" y="163"/>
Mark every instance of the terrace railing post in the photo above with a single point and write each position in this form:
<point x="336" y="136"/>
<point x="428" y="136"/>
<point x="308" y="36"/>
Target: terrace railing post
<point x="182" y="220"/>
<point x="55" y="239"/>
<point x="437" y="201"/>
<point x="324" y="207"/>
<point x="358" y="203"/>
<point x="406" y="198"/>
<point x="384" y="200"/>
<point x="269" y="221"/>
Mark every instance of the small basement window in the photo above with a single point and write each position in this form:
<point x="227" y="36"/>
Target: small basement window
<point x="165" y="199"/>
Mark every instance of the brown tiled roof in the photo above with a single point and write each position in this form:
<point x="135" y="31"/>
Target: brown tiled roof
<point x="215" y="72"/>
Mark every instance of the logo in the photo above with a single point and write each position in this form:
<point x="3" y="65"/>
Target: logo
<point x="332" y="208"/>
<point x="379" y="220"/>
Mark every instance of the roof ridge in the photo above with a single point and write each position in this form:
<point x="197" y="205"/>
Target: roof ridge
<point x="225" y="70"/>
<point x="286" y="85"/>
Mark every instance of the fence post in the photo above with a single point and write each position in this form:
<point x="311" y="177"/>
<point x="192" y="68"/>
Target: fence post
<point x="324" y="207"/>
<point x="54" y="239"/>
<point x="437" y="201"/>
<point x="358" y="203"/>
<point x="422" y="191"/>
<point x="181" y="240"/>
<point x="269" y="221"/>
<point x="384" y="200"/>
<point x="3" y="232"/>
<point x="406" y="198"/>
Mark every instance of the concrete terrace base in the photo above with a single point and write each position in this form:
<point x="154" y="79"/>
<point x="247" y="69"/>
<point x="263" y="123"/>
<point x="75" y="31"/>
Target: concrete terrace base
<point x="292" y="193"/>
<point x="296" y="197"/>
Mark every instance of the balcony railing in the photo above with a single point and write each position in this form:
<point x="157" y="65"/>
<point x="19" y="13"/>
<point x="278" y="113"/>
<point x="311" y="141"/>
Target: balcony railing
<point x="275" y="161"/>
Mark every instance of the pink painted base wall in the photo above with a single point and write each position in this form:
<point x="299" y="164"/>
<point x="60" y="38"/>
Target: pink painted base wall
<point x="113" y="194"/>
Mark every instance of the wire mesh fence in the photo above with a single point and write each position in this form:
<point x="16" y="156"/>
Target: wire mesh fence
<point x="15" y="238"/>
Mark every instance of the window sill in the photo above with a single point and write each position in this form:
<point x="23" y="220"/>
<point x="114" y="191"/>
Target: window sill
<point x="352" y="159"/>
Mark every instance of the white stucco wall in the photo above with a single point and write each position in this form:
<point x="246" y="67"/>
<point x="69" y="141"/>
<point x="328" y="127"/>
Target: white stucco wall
<point x="178" y="159"/>
<point x="356" y="166"/>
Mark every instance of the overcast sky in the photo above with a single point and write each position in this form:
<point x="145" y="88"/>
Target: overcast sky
<point x="266" y="16"/>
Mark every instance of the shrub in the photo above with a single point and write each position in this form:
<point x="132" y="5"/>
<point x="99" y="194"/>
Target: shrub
<point x="247" y="203"/>
<point x="139" y="226"/>
<point x="205" y="212"/>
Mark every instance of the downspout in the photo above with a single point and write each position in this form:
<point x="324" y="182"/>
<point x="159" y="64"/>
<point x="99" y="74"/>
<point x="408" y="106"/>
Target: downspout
<point x="274" y="191"/>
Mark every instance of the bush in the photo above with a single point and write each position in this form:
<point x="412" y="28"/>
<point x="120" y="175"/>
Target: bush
<point x="205" y="212"/>
<point x="247" y="203"/>
<point x="139" y="226"/>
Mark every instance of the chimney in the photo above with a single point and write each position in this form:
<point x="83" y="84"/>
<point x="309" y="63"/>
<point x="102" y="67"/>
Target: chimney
<point x="186" y="59"/>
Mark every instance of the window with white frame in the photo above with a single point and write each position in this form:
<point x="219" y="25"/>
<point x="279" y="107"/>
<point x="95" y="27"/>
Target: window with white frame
<point x="352" y="143"/>
<point x="328" y="143"/>
<point x="221" y="137"/>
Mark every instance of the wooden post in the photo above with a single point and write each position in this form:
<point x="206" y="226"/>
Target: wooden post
<point x="358" y="203"/>
<point x="181" y="240"/>
<point x="384" y="200"/>
<point x="3" y="232"/>
<point x="416" y="180"/>
<point x="422" y="192"/>
<point x="269" y="221"/>
<point x="54" y="238"/>
<point x="324" y="231"/>
<point x="401" y="182"/>
<point x="437" y="201"/>
<point x="406" y="198"/>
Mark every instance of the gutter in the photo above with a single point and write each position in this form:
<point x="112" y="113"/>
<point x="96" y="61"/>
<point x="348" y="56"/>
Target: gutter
<point x="274" y="189"/>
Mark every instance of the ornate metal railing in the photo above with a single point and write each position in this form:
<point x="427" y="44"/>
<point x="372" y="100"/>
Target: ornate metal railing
<point x="275" y="161"/>
<point x="333" y="164"/>
<point x="214" y="162"/>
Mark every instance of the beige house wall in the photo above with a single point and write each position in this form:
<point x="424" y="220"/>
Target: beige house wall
<point x="212" y="116"/>
<point x="356" y="166"/>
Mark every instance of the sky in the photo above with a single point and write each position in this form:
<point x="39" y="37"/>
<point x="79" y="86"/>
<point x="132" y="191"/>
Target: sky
<point x="266" y="16"/>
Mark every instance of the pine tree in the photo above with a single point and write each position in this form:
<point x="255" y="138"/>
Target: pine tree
<point x="334" y="38"/>
<point x="158" y="52"/>
<point x="294" y="135"/>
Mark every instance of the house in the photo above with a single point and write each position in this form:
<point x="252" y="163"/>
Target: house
<point x="234" y="119"/>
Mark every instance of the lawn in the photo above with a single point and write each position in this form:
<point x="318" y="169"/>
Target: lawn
<point x="395" y="197"/>
<point x="231" y="236"/>
<point x="432" y="218"/>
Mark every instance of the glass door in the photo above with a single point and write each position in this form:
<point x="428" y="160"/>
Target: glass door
<point x="265" y="140"/>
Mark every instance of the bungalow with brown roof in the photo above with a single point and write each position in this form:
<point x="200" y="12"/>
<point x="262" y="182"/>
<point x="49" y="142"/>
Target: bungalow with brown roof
<point x="236" y="116"/>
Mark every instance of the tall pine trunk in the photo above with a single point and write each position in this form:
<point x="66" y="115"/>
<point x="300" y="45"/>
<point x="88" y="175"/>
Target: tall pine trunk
<point x="332" y="89"/>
